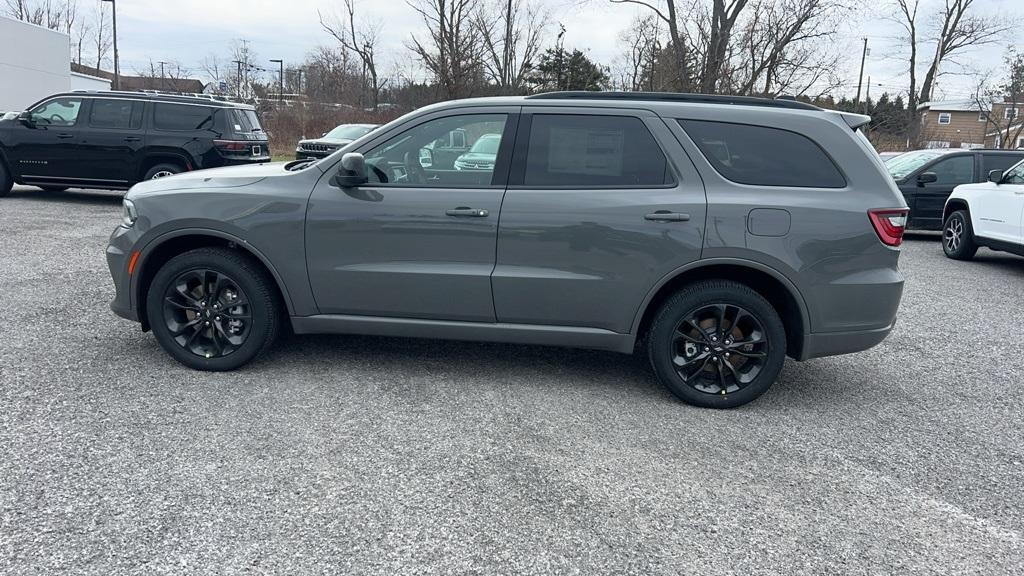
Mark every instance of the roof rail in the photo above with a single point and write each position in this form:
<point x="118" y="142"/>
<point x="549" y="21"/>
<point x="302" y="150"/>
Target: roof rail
<point x="676" y="97"/>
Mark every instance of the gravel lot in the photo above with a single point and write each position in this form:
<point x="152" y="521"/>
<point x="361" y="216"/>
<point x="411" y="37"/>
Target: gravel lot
<point x="353" y="455"/>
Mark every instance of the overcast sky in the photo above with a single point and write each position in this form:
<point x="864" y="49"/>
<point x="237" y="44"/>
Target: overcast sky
<point x="187" y="30"/>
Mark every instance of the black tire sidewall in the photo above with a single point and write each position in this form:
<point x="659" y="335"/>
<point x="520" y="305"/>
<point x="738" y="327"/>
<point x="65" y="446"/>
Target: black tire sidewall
<point x="174" y="168"/>
<point x="6" y="180"/>
<point x="261" y="304"/>
<point x="699" y="295"/>
<point x="966" y="249"/>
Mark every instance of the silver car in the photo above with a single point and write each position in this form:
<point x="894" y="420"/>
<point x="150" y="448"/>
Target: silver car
<point x="714" y="234"/>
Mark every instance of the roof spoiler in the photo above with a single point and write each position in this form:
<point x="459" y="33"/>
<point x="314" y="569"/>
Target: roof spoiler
<point x="855" y="121"/>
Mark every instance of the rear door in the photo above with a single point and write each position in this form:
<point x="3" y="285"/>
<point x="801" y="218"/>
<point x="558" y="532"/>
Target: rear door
<point x="601" y="205"/>
<point x="111" y="140"/>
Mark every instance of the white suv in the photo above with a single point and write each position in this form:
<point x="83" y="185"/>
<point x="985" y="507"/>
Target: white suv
<point x="989" y="214"/>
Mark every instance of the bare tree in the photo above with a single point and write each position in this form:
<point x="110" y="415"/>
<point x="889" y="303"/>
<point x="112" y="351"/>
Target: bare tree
<point x="512" y="32"/>
<point x="637" y="66"/>
<point x="723" y="19"/>
<point x="453" y="49"/>
<point x="363" y="42"/>
<point x="53" y="14"/>
<point x="102" y="38"/>
<point x="667" y="12"/>
<point x="1001" y="104"/>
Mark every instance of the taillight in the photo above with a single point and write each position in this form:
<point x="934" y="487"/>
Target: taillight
<point x="889" y="223"/>
<point x="232" y="145"/>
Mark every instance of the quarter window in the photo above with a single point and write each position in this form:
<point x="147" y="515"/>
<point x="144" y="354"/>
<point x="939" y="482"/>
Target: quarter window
<point x="990" y="162"/>
<point x="58" y="112"/>
<point x="441" y="153"/>
<point x="118" y="114"/>
<point x="182" y="117"/>
<point x="593" y="151"/>
<point x="762" y="156"/>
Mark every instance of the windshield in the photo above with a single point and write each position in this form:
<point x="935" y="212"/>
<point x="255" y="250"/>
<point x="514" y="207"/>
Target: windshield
<point x="487" y="144"/>
<point x="348" y="131"/>
<point x="902" y="165"/>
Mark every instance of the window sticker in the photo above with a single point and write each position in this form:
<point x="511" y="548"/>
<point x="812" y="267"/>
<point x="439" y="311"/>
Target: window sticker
<point x="582" y="151"/>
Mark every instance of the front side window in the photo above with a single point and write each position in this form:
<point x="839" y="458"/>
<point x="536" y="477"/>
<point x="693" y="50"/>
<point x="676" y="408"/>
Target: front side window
<point x="953" y="171"/>
<point x="582" y="151"/>
<point x="182" y="117"/>
<point x="440" y="153"/>
<point x="57" y="112"/>
<point x="903" y="165"/>
<point x="763" y="156"/>
<point x="116" y="114"/>
<point x="1015" y="175"/>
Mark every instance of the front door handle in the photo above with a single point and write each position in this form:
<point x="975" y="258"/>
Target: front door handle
<point x="133" y="139"/>
<point x="666" y="216"/>
<point x="65" y="135"/>
<point x="466" y="211"/>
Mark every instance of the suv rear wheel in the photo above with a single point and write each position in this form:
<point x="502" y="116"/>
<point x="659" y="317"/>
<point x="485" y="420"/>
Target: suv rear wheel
<point x="958" y="237"/>
<point x="717" y="344"/>
<point x="162" y="170"/>
<point x="6" y="181"/>
<point x="213" y="309"/>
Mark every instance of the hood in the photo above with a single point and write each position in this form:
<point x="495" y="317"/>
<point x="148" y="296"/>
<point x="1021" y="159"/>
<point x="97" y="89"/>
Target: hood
<point x="227" y="177"/>
<point x="327" y="141"/>
<point x="478" y="157"/>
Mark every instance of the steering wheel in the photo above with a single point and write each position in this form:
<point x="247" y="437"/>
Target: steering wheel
<point x="56" y="118"/>
<point x="414" y="171"/>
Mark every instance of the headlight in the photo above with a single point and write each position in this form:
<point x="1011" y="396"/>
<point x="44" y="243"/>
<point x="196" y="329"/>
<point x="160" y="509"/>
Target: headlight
<point x="128" y="213"/>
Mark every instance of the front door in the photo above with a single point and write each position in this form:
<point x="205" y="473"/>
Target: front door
<point x="595" y="215"/>
<point x="997" y="210"/>
<point x="929" y="198"/>
<point x="415" y="242"/>
<point x="45" y="148"/>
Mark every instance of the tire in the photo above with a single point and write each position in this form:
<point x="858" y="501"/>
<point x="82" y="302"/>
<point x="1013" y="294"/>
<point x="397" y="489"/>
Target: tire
<point x="53" y="188"/>
<point x="958" y="236"/>
<point x="162" y="170"/>
<point x="6" y="181"/>
<point x="242" y="280"/>
<point x="729" y="371"/>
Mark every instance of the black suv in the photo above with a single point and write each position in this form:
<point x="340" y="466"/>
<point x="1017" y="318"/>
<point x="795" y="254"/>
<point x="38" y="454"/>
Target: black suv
<point x="927" y="178"/>
<point x="112" y="140"/>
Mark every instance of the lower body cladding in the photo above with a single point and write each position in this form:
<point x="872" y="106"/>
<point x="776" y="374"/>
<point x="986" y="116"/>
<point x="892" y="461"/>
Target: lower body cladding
<point x="813" y="346"/>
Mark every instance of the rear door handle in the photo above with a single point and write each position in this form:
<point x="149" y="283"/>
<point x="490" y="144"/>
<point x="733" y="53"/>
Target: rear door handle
<point x="666" y="216"/>
<point x="466" y="211"/>
<point x="65" y="136"/>
<point x="133" y="139"/>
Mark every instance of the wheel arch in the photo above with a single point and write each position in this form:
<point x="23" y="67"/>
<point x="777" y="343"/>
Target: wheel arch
<point x="780" y="292"/>
<point x="162" y="249"/>
<point x="952" y="205"/>
<point x="155" y="157"/>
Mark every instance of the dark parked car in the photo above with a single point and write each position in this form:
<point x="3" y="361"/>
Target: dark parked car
<point x="722" y="233"/>
<point x="114" y="139"/>
<point x="331" y="141"/>
<point x="927" y="177"/>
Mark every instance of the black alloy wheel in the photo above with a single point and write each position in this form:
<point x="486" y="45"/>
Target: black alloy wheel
<point x="719" y="348"/>
<point x="207" y="313"/>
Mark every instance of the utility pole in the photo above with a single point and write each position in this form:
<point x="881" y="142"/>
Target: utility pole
<point x="238" y="79"/>
<point x="163" y="77"/>
<point x="860" y="79"/>
<point x="117" y="66"/>
<point x="280" y="80"/>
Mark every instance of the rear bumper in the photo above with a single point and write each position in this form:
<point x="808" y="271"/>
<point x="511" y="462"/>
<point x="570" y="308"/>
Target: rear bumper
<point x="835" y="343"/>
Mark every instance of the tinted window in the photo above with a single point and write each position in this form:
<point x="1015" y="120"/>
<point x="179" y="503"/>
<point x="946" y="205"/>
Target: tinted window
<point x="57" y="112"/>
<point x="418" y="158"/>
<point x="1002" y="162"/>
<point x="182" y="117"/>
<point x="124" y="114"/>
<point x="763" y="156"/>
<point x="593" y="151"/>
<point x="953" y="171"/>
<point x="1015" y="175"/>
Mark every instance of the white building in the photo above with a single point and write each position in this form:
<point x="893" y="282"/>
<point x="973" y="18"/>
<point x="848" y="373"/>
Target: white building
<point x="36" y="62"/>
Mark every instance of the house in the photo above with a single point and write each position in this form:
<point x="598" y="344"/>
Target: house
<point x="964" y="124"/>
<point x="144" y="83"/>
<point x="38" y="67"/>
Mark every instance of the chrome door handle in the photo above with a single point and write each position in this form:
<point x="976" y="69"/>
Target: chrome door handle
<point x="65" y="136"/>
<point x="133" y="139"/>
<point x="666" y="216"/>
<point x="466" y="211"/>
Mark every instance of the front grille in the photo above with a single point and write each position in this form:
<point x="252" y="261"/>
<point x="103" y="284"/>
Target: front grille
<point x="319" y="148"/>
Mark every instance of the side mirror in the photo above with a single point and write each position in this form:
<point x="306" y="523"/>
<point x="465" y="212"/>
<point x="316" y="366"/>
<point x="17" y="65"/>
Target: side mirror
<point x="995" y="176"/>
<point x="352" y="172"/>
<point x="26" y="118"/>
<point x="927" y="178"/>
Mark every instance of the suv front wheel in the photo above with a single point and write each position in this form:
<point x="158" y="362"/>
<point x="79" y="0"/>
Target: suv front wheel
<point x="213" y="309"/>
<point x="717" y="344"/>
<point x="6" y="180"/>
<point x="958" y="237"/>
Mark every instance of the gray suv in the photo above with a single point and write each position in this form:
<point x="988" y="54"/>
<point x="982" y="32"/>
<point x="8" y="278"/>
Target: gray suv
<point x="717" y="234"/>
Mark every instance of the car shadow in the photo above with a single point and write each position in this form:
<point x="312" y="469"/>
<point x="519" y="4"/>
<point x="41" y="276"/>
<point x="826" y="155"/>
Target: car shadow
<point x="71" y="196"/>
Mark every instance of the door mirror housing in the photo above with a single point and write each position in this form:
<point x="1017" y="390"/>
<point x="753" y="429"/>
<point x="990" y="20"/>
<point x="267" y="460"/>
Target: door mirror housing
<point x="352" y="171"/>
<point x="995" y="176"/>
<point x="927" y="178"/>
<point x="26" y="119"/>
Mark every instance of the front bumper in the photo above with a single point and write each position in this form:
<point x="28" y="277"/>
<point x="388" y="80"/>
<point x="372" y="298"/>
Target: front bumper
<point x="119" y="252"/>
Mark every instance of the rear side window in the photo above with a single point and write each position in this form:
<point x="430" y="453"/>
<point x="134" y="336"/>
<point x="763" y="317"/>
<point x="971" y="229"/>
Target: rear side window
<point x="990" y="162"/>
<point x="117" y="114"/>
<point x="953" y="171"/>
<point x="182" y="117"/>
<point x="593" y="151"/>
<point x="762" y="156"/>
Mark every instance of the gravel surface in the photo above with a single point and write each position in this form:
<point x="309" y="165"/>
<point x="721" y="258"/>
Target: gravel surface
<point x="357" y="455"/>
